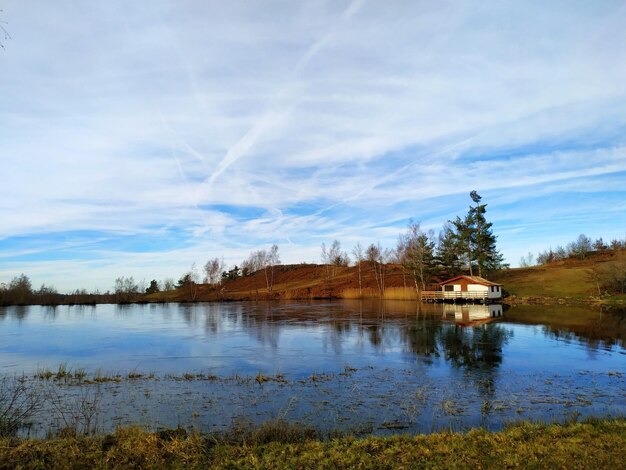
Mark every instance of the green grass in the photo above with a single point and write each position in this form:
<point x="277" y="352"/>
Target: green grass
<point x="564" y="279"/>
<point x="592" y="444"/>
<point x="547" y="281"/>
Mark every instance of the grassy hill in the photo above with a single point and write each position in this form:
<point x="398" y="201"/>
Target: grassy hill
<point x="567" y="279"/>
<point x="570" y="280"/>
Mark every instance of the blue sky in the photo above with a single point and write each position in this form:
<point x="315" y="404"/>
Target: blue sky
<point x="139" y="137"/>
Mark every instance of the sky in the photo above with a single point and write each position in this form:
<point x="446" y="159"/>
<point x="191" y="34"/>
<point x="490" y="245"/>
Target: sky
<point x="137" y="138"/>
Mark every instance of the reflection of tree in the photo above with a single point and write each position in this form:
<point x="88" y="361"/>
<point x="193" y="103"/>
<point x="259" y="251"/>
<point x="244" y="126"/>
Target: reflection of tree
<point x="421" y="338"/>
<point x="475" y="348"/>
<point x="18" y="312"/>
<point x="339" y="328"/>
<point x="603" y="334"/>
<point x="593" y="328"/>
<point x="375" y="335"/>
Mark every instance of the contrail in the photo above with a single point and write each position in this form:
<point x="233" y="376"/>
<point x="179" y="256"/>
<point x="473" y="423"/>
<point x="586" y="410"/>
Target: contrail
<point x="393" y="174"/>
<point x="271" y="116"/>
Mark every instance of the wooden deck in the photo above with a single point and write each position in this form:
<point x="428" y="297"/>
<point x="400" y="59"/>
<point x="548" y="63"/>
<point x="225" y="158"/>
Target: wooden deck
<point x="469" y="296"/>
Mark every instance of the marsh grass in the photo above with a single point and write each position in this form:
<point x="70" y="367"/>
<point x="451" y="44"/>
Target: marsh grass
<point x="591" y="444"/>
<point x="390" y="293"/>
<point x="260" y="378"/>
<point x="18" y="402"/>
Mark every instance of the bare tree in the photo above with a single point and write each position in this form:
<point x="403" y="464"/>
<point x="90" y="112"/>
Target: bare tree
<point x="419" y="256"/>
<point x="527" y="261"/>
<point x="189" y="282"/>
<point x="378" y="259"/>
<point x="262" y="259"/>
<point x="125" y="288"/>
<point x="169" y="284"/>
<point x="400" y="256"/>
<point x="213" y="271"/>
<point x="334" y="257"/>
<point x="271" y="259"/>
<point x="18" y="402"/>
<point x="357" y="252"/>
<point x="195" y="278"/>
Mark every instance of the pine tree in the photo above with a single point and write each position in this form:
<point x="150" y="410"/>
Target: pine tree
<point x="469" y="242"/>
<point x="483" y="249"/>
<point x="464" y="238"/>
<point x="448" y="257"/>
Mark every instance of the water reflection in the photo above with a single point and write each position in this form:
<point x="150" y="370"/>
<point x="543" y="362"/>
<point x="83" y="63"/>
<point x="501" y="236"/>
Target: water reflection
<point x="386" y="362"/>
<point x="248" y="337"/>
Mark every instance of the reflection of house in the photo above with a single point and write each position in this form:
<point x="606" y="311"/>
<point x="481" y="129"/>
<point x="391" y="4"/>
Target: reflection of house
<point x="465" y="288"/>
<point x="471" y="314"/>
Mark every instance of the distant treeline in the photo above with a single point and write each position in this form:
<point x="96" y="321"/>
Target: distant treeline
<point x="609" y="277"/>
<point x="465" y="245"/>
<point x="580" y="248"/>
<point x="20" y="292"/>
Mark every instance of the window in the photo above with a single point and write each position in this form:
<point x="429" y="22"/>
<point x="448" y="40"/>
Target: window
<point x="448" y="288"/>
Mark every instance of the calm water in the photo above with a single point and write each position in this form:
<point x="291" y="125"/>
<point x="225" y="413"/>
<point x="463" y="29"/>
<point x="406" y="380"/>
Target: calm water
<point x="379" y="366"/>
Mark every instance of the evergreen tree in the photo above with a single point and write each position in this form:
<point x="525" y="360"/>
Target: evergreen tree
<point x="469" y="243"/>
<point x="483" y="249"/>
<point x="464" y="238"/>
<point x="448" y="257"/>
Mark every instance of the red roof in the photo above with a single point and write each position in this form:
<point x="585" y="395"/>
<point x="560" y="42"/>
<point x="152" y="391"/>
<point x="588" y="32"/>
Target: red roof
<point x="473" y="279"/>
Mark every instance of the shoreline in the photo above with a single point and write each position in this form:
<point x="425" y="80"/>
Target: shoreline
<point x="512" y="300"/>
<point x="592" y="443"/>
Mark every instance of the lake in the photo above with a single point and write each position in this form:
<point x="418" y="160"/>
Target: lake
<point x="363" y="366"/>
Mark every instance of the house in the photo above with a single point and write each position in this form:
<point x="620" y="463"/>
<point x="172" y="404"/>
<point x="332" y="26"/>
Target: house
<point x="471" y="314"/>
<point x="470" y="287"/>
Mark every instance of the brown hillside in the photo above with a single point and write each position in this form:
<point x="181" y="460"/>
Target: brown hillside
<point x="569" y="279"/>
<point x="300" y="281"/>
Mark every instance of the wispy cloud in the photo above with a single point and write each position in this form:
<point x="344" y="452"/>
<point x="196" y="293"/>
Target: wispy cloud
<point x="217" y="128"/>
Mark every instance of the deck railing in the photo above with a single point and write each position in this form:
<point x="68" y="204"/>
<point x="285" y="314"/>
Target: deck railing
<point x="442" y="295"/>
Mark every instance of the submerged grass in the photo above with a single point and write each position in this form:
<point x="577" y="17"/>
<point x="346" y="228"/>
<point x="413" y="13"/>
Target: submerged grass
<point x="590" y="444"/>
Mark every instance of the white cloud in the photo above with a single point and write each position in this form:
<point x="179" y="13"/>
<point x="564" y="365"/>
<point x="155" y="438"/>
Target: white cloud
<point x="323" y="118"/>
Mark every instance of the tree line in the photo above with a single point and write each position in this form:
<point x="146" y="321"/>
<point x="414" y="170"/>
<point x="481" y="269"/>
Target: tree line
<point x="609" y="278"/>
<point x="580" y="248"/>
<point x="465" y="245"/>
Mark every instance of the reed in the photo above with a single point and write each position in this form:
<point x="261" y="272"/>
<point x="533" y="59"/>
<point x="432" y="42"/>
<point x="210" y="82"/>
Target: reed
<point x="391" y="293"/>
<point x="366" y="293"/>
<point x="400" y="293"/>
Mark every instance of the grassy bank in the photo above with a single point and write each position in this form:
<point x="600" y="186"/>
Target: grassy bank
<point x="593" y="444"/>
<point x="569" y="280"/>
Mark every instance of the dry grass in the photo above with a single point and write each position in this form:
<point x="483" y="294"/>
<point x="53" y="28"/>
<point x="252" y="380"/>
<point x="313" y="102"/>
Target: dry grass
<point x="400" y="293"/>
<point x="366" y="293"/>
<point x="391" y="293"/>
<point x="593" y="444"/>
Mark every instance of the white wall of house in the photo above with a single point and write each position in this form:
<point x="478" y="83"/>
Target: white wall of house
<point x="495" y="292"/>
<point x="495" y="310"/>
<point x="477" y="288"/>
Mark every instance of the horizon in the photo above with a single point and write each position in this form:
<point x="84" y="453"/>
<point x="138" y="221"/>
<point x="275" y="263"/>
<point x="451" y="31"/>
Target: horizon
<point x="138" y="139"/>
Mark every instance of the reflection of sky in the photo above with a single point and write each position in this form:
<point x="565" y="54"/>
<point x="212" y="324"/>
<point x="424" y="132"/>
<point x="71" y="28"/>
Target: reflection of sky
<point x="286" y="338"/>
<point x="532" y="349"/>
